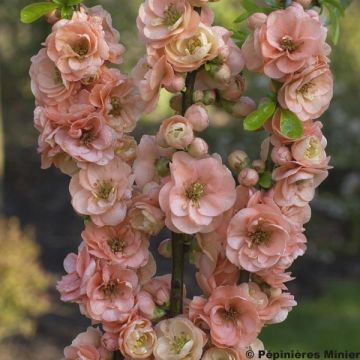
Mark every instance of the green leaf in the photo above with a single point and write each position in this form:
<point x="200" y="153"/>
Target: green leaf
<point x="242" y="17"/>
<point x="257" y="118"/>
<point x="250" y="7"/>
<point x="66" y="12"/>
<point x="336" y="4"/>
<point x="334" y="18"/>
<point x="35" y="11"/>
<point x="290" y="125"/>
<point x="265" y="180"/>
<point x="73" y="2"/>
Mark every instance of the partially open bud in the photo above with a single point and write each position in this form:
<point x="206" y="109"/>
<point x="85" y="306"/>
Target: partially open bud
<point x="198" y="117"/>
<point x="176" y="132"/>
<point x="244" y="107"/>
<point x="259" y="166"/>
<point x="176" y="85"/>
<point x="238" y="160"/>
<point x="234" y="90"/>
<point x="198" y="148"/>
<point x="280" y="155"/>
<point x="248" y="177"/>
<point x="165" y="249"/>
<point x="209" y="97"/>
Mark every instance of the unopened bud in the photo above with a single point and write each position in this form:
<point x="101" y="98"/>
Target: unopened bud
<point x="248" y="177"/>
<point x="209" y="97"/>
<point x="223" y="74"/>
<point x="259" y="166"/>
<point x="198" y="148"/>
<point x="198" y="96"/>
<point x="198" y="117"/>
<point x="281" y="155"/>
<point x="238" y="160"/>
<point x="244" y="107"/>
<point x="165" y="248"/>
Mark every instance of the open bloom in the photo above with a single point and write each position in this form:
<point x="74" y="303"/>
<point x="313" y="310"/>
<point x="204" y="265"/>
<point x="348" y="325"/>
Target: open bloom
<point x="78" y="46"/>
<point x="257" y="237"/>
<point x="87" y="346"/>
<point x="231" y="315"/>
<point x="120" y="244"/>
<point x="179" y="338"/>
<point x="186" y="53"/>
<point x="283" y="42"/>
<point x="159" y="21"/>
<point x="47" y="83"/>
<point x="198" y="193"/>
<point x="101" y="191"/>
<point x="111" y="293"/>
<point x="137" y="339"/>
<point x="308" y="93"/>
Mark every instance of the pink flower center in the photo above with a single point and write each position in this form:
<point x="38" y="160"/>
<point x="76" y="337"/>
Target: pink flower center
<point x="258" y="237"/>
<point x="110" y="288"/>
<point x="171" y="15"/>
<point x="104" y="189"/>
<point x="115" y="103"/>
<point x="116" y="245"/>
<point x="87" y="137"/>
<point x="231" y="314"/>
<point x="195" y="192"/>
<point x="288" y="44"/>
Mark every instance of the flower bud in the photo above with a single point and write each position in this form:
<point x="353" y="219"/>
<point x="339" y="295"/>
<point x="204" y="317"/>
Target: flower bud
<point x="162" y="167"/>
<point x="176" y="103"/>
<point x="234" y="89"/>
<point x="53" y="17"/>
<point x="223" y="74"/>
<point x="198" y="96"/>
<point x="238" y="160"/>
<point x="176" y="132"/>
<point x="259" y="166"/>
<point x="177" y="84"/>
<point x="256" y="20"/>
<point x="244" y="107"/>
<point x="198" y="148"/>
<point x="248" y="177"/>
<point x="280" y="155"/>
<point x="198" y="117"/>
<point x="165" y="249"/>
<point x="209" y="97"/>
<point x="110" y="341"/>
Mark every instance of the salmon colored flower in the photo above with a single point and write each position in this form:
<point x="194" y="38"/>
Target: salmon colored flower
<point x="87" y="346"/>
<point x="101" y="192"/>
<point x="120" y="244"/>
<point x="198" y="193"/>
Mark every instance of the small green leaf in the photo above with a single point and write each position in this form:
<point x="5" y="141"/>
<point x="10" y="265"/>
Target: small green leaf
<point x="290" y="125"/>
<point x="257" y="118"/>
<point x="73" y="2"/>
<point x="265" y="180"/>
<point x="35" y="11"/>
<point x="242" y="17"/>
<point x="66" y="12"/>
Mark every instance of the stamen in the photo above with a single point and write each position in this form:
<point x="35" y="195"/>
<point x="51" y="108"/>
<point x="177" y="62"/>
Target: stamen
<point x="104" y="190"/>
<point x="171" y="15"/>
<point x="81" y="48"/>
<point x="195" y="192"/>
<point x="116" y="245"/>
<point x="115" y="103"/>
<point x="258" y="237"/>
<point x="179" y="342"/>
<point x="110" y="288"/>
<point x="288" y="44"/>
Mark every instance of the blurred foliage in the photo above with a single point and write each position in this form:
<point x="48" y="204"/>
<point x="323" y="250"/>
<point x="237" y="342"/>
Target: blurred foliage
<point x="329" y="322"/>
<point x="23" y="283"/>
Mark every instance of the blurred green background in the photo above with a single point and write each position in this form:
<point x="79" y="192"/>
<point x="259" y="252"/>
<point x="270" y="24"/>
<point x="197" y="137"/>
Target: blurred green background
<point x="327" y="285"/>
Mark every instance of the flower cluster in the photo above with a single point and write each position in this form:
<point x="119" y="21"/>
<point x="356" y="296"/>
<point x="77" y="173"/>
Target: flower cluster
<point x="242" y="233"/>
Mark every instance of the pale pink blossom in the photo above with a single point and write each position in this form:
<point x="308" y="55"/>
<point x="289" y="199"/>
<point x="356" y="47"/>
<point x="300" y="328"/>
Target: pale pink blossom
<point x="295" y="185"/>
<point x="160" y="20"/>
<point x="186" y="53"/>
<point x="101" y="192"/>
<point x="137" y="339"/>
<point x="87" y="346"/>
<point x="230" y="314"/>
<point x="119" y="100"/>
<point x="111" y="293"/>
<point x="283" y="42"/>
<point x="309" y="92"/>
<point x="79" y="268"/>
<point x="148" y="156"/>
<point x="197" y="195"/>
<point x="121" y="244"/>
<point x="179" y="338"/>
<point x="47" y="83"/>
<point x="258" y="236"/>
<point x="78" y="46"/>
<point x="176" y="131"/>
<point x="112" y="36"/>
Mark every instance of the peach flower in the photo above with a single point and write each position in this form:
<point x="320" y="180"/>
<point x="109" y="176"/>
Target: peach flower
<point x="258" y="236"/>
<point x="87" y="346"/>
<point x="112" y="36"/>
<point x="198" y="193"/>
<point x="149" y="154"/>
<point x="137" y="339"/>
<point x="101" y="191"/>
<point x="119" y="100"/>
<point x="231" y="316"/>
<point x="295" y="185"/>
<point x="79" y="267"/>
<point x="121" y="245"/>
<point x="179" y="338"/>
<point x="186" y="53"/>
<point x="47" y="83"/>
<point x="160" y="20"/>
<point x="308" y="93"/>
<point x="221" y="354"/>
<point x="78" y="46"/>
<point x="111" y="293"/>
<point x="88" y="140"/>
<point x="283" y="42"/>
<point x="146" y="216"/>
